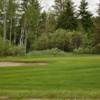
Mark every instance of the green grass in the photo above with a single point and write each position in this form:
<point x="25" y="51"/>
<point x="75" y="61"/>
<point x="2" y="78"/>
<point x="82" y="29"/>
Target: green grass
<point x="64" y="77"/>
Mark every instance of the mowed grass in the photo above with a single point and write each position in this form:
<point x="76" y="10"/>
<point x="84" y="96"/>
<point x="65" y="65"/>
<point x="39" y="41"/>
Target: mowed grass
<point x="63" y="78"/>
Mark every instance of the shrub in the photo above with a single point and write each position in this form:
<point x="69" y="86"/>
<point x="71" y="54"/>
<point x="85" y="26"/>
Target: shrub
<point x="4" y="46"/>
<point x="53" y="51"/>
<point x="9" y="50"/>
<point x="16" y="50"/>
<point x="76" y="39"/>
<point x="96" y="49"/>
<point x="41" y="43"/>
<point x="83" y="50"/>
<point x="61" y="39"/>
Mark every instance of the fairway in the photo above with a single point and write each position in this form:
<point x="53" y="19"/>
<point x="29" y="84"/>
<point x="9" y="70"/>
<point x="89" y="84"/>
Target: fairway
<point x="62" y="78"/>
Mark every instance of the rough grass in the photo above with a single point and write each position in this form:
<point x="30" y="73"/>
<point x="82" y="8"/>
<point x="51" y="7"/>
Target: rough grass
<point x="69" y="77"/>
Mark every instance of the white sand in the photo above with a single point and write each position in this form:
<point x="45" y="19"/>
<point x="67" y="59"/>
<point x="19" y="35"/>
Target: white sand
<point x="15" y="64"/>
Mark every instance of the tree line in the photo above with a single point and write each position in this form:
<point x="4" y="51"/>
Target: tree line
<point x="25" y="27"/>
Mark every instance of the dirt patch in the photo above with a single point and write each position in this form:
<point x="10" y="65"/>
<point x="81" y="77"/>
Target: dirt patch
<point x="3" y="97"/>
<point x="21" y="63"/>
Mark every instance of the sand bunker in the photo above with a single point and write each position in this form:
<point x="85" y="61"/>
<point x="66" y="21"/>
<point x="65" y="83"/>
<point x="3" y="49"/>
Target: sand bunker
<point x="15" y="64"/>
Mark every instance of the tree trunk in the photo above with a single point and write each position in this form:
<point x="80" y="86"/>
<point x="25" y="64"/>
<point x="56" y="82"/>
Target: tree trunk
<point x="22" y="37"/>
<point x="15" y="37"/>
<point x="11" y="31"/>
<point x="26" y="37"/>
<point x="5" y="19"/>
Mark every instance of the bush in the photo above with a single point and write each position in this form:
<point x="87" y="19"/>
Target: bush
<point x="16" y="51"/>
<point x="41" y="43"/>
<point x="83" y="50"/>
<point x="9" y="50"/>
<point x="61" y="39"/>
<point x="4" y="46"/>
<point x="54" y="51"/>
<point x="96" y="49"/>
<point x="76" y="39"/>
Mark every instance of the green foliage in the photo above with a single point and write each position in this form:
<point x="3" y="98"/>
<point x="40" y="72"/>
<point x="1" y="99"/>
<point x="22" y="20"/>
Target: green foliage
<point x="42" y="23"/>
<point x="61" y="39"/>
<point x="9" y="50"/>
<point x="96" y="49"/>
<point x="83" y="50"/>
<point x="96" y="35"/>
<point x="52" y="52"/>
<point x="59" y="6"/>
<point x="24" y="23"/>
<point x="67" y="19"/>
<point x="66" y="40"/>
<point x="77" y="39"/>
<point x="85" y="16"/>
<point x="96" y="39"/>
<point x="4" y="46"/>
<point x="16" y="51"/>
<point x="41" y="43"/>
<point x="51" y="22"/>
<point x="98" y="9"/>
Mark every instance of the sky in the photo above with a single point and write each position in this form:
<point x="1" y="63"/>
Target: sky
<point x="47" y="4"/>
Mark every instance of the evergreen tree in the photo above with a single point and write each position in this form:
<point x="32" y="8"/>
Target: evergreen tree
<point x="85" y="16"/>
<point x="42" y="23"/>
<point x="59" y="6"/>
<point x="97" y="27"/>
<point x="67" y="19"/>
<point x="98" y="9"/>
<point x="51" y="22"/>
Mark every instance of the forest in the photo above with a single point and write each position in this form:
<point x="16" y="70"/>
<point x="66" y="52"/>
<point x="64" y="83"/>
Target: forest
<point x="26" y="27"/>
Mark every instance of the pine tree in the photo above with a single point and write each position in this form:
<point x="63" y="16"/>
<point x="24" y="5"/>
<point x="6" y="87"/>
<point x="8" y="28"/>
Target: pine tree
<point x="85" y="16"/>
<point x="59" y="6"/>
<point x="97" y="27"/>
<point x="42" y="22"/>
<point x="51" y="22"/>
<point x="67" y="19"/>
<point x="98" y="11"/>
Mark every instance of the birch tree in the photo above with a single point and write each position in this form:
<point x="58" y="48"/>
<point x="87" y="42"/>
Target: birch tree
<point x="11" y="15"/>
<point x="5" y="20"/>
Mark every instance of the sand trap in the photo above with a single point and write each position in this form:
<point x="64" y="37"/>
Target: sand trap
<point x="15" y="64"/>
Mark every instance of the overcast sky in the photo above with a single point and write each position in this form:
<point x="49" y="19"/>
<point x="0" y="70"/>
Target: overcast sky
<point x="92" y="4"/>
